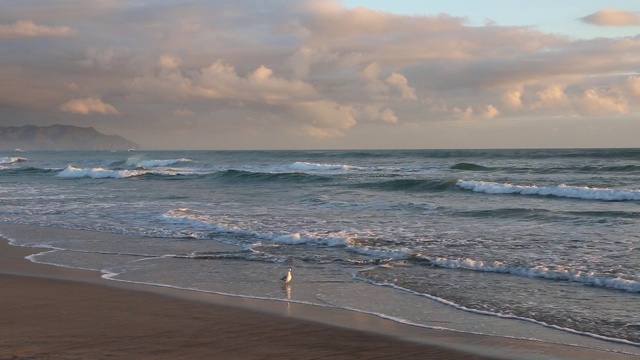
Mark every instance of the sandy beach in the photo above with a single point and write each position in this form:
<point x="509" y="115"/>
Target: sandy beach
<point x="57" y="313"/>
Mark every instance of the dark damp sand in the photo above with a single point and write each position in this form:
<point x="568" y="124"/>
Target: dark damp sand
<point x="49" y="312"/>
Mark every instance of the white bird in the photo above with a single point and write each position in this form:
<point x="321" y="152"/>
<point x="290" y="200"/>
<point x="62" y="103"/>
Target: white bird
<point x="287" y="278"/>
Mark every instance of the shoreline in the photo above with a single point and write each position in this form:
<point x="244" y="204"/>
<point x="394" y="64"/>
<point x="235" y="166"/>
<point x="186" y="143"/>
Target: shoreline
<point x="43" y="298"/>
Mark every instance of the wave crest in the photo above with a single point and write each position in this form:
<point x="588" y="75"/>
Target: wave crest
<point x="470" y="167"/>
<point x="12" y="159"/>
<point x="539" y="271"/>
<point x="204" y="222"/>
<point x="566" y="191"/>
<point x="136" y="162"/>
<point x="306" y="166"/>
<point x="98" y="173"/>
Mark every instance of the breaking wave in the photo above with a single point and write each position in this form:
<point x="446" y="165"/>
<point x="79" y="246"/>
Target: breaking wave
<point x="12" y="160"/>
<point x="98" y="173"/>
<point x="565" y="191"/>
<point x="306" y="166"/>
<point x="204" y="222"/>
<point x="136" y="162"/>
<point x="542" y="272"/>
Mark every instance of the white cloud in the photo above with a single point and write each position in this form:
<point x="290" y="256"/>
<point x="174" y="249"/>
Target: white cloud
<point x="395" y="85"/>
<point x="512" y="99"/>
<point x="376" y="88"/>
<point x="86" y="106"/>
<point x="400" y="83"/>
<point x="490" y="112"/>
<point x="595" y="103"/>
<point x="216" y="81"/>
<point x="28" y="29"/>
<point x="463" y="114"/>
<point x="553" y="97"/>
<point x="613" y="17"/>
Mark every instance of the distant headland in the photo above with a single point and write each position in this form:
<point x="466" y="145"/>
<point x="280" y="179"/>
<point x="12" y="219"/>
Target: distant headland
<point x="60" y="137"/>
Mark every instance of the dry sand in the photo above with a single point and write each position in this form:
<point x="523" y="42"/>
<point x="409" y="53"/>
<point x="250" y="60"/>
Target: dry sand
<point x="49" y="312"/>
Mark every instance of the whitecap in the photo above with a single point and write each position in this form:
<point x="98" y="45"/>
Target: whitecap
<point x="71" y="172"/>
<point x="587" y="278"/>
<point x="136" y="162"/>
<point x="12" y="159"/>
<point x="575" y="192"/>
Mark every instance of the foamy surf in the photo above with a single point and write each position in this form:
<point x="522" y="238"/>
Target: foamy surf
<point x="575" y="192"/>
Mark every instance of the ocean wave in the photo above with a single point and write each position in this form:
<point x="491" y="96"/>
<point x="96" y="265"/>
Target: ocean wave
<point x="414" y="185"/>
<point x="204" y="222"/>
<point x="252" y="176"/>
<point x="470" y="167"/>
<point x="26" y="170"/>
<point x="565" y="191"/>
<point x="12" y="160"/>
<point x="139" y="163"/>
<point x="606" y="169"/>
<point x="307" y="166"/>
<point x="98" y="173"/>
<point x="539" y="271"/>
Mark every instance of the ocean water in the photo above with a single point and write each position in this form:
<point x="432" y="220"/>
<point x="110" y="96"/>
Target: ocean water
<point x="547" y="237"/>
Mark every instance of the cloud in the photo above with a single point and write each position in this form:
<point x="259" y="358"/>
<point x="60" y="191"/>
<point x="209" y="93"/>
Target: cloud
<point x="597" y="103"/>
<point x="323" y="119"/>
<point x="377" y="112"/>
<point x="315" y="68"/>
<point x="613" y="17"/>
<point x="401" y="85"/>
<point x="463" y="114"/>
<point x="102" y="58"/>
<point x="403" y="39"/>
<point x="512" y="99"/>
<point x="633" y="85"/>
<point x="490" y="112"/>
<point x="86" y="106"/>
<point x="28" y="29"/>
<point x="552" y="97"/>
<point x="183" y="113"/>
<point x="395" y="85"/>
<point x="216" y="81"/>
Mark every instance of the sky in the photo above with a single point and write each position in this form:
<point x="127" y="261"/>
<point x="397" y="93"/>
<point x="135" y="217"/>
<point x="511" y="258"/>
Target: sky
<point x="308" y="74"/>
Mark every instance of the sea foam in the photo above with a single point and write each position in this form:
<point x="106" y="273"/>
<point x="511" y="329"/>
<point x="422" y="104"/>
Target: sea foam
<point x="98" y="173"/>
<point x="306" y="166"/>
<point x="542" y="272"/>
<point x="11" y="160"/>
<point x="574" y="192"/>
<point x="202" y="222"/>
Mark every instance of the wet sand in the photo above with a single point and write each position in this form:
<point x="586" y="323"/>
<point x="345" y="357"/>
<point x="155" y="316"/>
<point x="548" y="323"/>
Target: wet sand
<point x="49" y="312"/>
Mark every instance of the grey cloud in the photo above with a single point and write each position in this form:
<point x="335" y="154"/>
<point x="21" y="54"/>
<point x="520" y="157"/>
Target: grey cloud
<point x="308" y="68"/>
<point x="28" y="29"/>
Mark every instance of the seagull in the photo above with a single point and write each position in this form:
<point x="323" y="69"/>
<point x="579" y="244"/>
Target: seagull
<point x="287" y="278"/>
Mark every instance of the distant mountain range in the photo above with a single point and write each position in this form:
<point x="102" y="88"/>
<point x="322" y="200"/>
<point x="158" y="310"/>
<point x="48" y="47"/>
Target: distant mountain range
<point x="60" y="137"/>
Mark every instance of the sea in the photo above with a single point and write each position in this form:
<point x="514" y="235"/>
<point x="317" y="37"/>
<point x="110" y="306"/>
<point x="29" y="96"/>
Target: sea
<point x="547" y="240"/>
